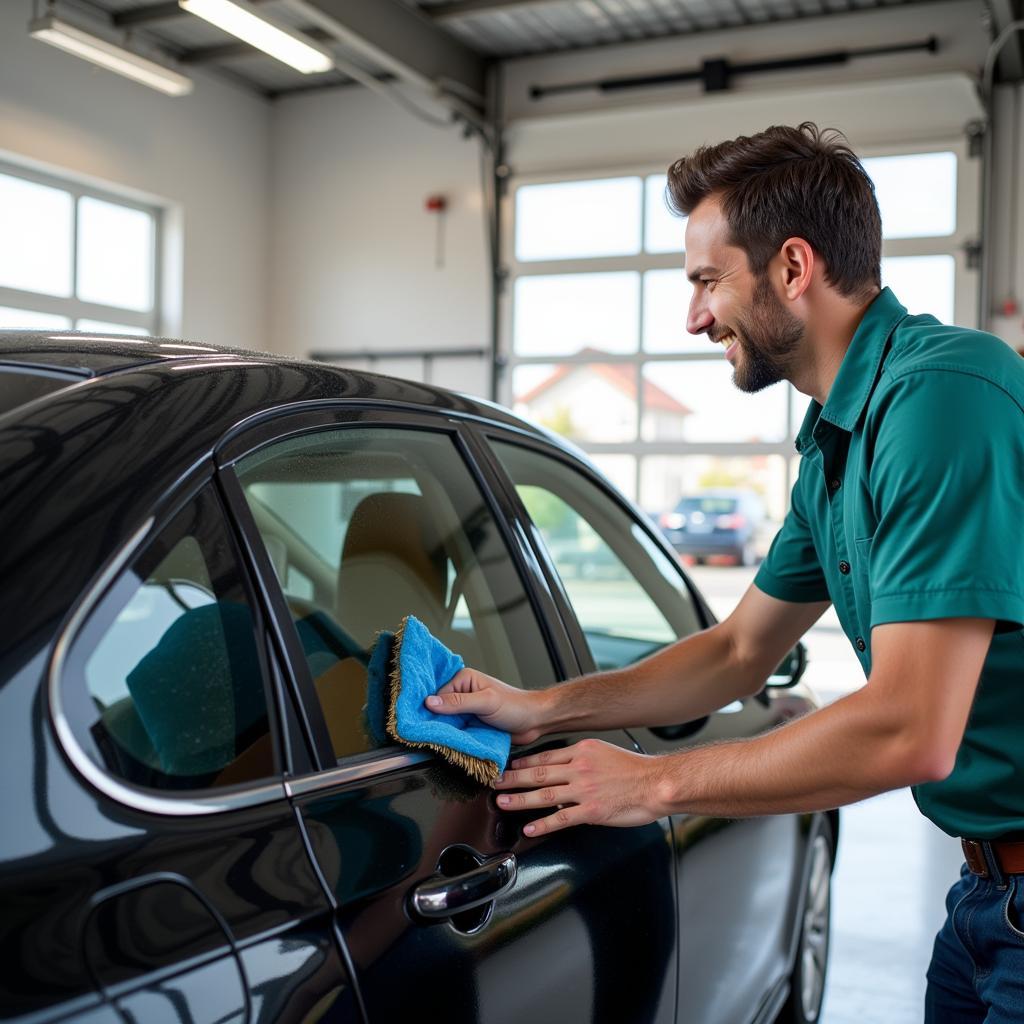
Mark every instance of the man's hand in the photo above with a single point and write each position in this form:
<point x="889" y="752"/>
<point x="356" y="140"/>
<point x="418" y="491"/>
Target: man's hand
<point x="591" y="782"/>
<point x="470" y="692"/>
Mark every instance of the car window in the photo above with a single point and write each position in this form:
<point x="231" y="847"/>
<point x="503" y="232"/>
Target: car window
<point x="708" y="506"/>
<point x="365" y="525"/>
<point x="628" y="596"/>
<point x="169" y="665"/>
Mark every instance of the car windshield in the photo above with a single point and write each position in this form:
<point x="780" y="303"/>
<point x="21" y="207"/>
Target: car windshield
<point x="710" y="506"/>
<point x="18" y="386"/>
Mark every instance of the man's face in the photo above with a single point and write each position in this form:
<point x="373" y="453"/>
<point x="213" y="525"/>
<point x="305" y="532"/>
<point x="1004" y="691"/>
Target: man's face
<point x="734" y="307"/>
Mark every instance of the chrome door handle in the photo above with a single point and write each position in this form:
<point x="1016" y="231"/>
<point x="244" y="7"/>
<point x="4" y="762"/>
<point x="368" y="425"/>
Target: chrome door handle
<point x="440" y="897"/>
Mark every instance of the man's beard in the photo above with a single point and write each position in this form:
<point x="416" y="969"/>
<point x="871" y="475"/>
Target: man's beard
<point x="767" y="341"/>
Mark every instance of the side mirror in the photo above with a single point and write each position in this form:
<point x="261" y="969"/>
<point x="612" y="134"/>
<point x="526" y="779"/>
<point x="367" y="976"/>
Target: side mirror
<point x="791" y="671"/>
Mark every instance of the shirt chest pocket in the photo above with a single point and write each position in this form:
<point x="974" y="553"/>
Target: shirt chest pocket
<point x="862" y="579"/>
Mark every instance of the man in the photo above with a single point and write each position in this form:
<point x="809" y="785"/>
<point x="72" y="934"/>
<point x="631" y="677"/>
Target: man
<point x="906" y="516"/>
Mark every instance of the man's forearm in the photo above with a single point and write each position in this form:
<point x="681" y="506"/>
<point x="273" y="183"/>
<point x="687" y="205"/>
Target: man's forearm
<point x="688" y="680"/>
<point x="843" y="753"/>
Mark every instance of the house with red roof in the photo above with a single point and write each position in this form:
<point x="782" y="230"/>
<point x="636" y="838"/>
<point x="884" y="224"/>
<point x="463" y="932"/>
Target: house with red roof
<point x="598" y="401"/>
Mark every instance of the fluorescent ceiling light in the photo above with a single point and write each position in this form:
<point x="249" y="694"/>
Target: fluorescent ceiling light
<point x="52" y="30"/>
<point x="240" y="19"/>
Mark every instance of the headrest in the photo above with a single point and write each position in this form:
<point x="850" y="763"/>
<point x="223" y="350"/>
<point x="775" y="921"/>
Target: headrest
<point x="393" y="564"/>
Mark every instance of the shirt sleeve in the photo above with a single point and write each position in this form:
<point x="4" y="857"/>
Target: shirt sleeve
<point x="947" y="484"/>
<point x="791" y="571"/>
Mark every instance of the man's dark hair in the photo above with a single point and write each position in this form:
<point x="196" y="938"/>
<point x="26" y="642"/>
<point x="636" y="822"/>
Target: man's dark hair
<point x="785" y="182"/>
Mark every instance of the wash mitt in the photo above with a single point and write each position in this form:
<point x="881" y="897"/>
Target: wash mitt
<point x="405" y="668"/>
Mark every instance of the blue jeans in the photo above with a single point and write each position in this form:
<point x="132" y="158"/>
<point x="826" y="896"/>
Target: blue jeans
<point x="977" y="969"/>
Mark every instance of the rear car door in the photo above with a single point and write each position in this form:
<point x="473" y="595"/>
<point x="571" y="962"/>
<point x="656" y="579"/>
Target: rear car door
<point x="361" y="519"/>
<point x="627" y="597"/>
<point x="178" y="877"/>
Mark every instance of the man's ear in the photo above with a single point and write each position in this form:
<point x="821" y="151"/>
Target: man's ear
<point x="796" y="261"/>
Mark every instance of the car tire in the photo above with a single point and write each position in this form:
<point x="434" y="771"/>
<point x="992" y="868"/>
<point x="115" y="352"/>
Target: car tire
<point x="807" y="982"/>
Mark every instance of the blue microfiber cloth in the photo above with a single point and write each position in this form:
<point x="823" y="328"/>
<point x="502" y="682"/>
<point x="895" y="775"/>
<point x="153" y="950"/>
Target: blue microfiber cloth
<point x="419" y="665"/>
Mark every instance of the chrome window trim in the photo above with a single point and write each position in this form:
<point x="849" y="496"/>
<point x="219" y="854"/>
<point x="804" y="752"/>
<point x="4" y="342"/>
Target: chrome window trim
<point x="148" y="801"/>
<point x="303" y="785"/>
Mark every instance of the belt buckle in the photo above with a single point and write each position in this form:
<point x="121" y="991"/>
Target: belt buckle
<point x="975" y="857"/>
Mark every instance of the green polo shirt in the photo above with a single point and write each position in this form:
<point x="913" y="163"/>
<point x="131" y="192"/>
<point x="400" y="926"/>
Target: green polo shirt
<point x="909" y="506"/>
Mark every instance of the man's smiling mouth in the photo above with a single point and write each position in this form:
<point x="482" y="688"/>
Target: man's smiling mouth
<point x="729" y="340"/>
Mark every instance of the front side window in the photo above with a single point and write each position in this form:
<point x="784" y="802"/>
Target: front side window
<point x="366" y="525"/>
<point x="628" y="597"/>
<point x="165" y="677"/>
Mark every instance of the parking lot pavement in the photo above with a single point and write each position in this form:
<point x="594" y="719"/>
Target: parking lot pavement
<point x="894" y="867"/>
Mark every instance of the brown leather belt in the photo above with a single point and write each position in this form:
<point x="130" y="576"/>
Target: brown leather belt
<point x="1009" y="856"/>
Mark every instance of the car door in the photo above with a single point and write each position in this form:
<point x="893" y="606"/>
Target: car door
<point x="627" y="598"/>
<point x="186" y="891"/>
<point x="447" y="910"/>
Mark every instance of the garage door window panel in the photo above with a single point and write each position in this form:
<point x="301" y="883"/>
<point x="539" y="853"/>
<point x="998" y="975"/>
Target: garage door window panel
<point x="365" y="525"/>
<point x="166" y="685"/>
<point x="628" y="596"/>
<point x="573" y="219"/>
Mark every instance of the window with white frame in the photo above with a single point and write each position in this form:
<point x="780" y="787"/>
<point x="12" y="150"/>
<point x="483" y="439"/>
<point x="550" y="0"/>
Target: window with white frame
<point x="596" y="327"/>
<point x="74" y="257"/>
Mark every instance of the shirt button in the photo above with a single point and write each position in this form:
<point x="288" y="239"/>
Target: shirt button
<point x="859" y="644"/>
<point x="834" y="485"/>
<point x="844" y="568"/>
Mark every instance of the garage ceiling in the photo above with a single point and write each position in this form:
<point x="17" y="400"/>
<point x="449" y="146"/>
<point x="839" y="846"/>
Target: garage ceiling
<point x="441" y="43"/>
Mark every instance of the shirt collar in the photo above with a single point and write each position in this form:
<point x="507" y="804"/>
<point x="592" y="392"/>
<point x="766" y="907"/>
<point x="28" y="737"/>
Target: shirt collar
<point x="858" y="370"/>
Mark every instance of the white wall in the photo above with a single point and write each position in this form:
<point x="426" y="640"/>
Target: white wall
<point x="353" y="260"/>
<point x="206" y="156"/>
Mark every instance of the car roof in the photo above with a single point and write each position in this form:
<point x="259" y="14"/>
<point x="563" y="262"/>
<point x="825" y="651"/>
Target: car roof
<point x="91" y="356"/>
<point x="81" y="466"/>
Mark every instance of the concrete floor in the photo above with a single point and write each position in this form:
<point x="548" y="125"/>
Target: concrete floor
<point x="894" y="867"/>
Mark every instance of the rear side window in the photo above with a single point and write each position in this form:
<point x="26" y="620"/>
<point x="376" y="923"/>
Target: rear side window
<point x="166" y="677"/>
<point x="629" y="599"/>
<point x="708" y="506"/>
<point x="365" y="525"/>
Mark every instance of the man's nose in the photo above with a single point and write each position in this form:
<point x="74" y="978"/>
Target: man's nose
<point x="698" y="317"/>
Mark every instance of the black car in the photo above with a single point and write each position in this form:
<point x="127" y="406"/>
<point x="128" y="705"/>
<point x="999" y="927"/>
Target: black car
<point x="199" y="548"/>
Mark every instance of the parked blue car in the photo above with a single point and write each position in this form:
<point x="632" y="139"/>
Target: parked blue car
<point x="720" y="522"/>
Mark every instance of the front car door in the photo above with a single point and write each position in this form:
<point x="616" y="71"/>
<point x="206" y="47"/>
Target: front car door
<point x="737" y="879"/>
<point x="367" y="517"/>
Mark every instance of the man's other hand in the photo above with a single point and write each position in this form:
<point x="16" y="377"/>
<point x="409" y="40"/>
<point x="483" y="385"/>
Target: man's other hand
<point x="591" y="783"/>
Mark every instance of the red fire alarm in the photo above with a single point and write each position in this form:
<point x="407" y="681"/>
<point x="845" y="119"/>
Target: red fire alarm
<point x="438" y="204"/>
